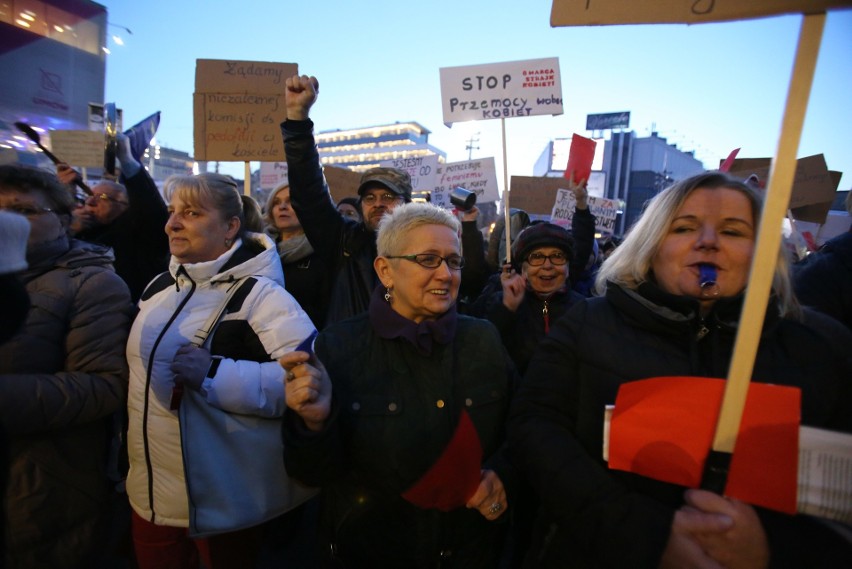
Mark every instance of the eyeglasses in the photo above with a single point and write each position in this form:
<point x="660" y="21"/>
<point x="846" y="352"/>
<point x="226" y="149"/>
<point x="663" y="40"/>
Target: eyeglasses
<point x="386" y="199"/>
<point x="27" y="210"/>
<point x="93" y="199"/>
<point x="432" y="261"/>
<point x="536" y="259"/>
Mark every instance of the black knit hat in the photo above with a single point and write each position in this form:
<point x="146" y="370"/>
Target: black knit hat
<point x="541" y="235"/>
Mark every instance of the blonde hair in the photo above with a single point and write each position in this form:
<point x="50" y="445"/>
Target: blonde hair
<point x="398" y="222"/>
<point x="630" y="263"/>
<point x="215" y="189"/>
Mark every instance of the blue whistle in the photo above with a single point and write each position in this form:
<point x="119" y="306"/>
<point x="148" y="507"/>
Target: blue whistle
<point x="707" y="280"/>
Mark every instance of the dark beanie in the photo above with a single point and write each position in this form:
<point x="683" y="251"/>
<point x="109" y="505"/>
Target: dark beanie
<point x="541" y="235"/>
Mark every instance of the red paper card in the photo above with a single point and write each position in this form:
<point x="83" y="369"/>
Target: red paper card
<point x="454" y="477"/>
<point x="663" y="428"/>
<point x="580" y="158"/>
<point x="729" y="161"/>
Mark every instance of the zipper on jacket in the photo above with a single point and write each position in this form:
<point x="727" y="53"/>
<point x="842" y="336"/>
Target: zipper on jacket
<point x="145" y="443"/>
<point x="702" y="329"/>
<point x="546" y="317"/>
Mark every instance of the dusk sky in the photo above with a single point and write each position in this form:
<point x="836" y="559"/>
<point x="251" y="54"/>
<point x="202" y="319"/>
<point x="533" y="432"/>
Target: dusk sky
<point x="709" y="88"/>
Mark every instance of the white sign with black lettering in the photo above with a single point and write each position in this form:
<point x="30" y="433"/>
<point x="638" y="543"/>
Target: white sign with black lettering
<point x="477" y="176"/>
<point x="604" y="210"/>
<point x="501" y="90"/>
<point x="422" y="169"/>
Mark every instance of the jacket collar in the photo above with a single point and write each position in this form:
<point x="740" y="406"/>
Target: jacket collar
<point x="252" y="255"/>
<point x="389" y="324"/>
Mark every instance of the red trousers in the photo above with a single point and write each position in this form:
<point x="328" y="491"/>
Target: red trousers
<point x="165" y="547"/>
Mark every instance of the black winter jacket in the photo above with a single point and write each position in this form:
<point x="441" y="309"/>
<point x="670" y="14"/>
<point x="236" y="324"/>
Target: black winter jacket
<point x="523" y="330"/>
<point x="393" y="412"/>
<point x="138" y="236"/>
<point x="346" y="247"/>
<point x="823" y="280"/>
<point x="593" y="517"/>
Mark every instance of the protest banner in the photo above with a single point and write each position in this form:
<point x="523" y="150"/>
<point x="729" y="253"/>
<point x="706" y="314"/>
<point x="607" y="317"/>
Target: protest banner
<point x="82" y="148"/>
<point x="501" y="90"/>
<point x="237" y="109"/>
<point x="422" y="169"/>
<point x="534" y="195"/>
<point x="812" y="181"/>
<point x="604" y="12"/>
<point x="478" y="176"/>
<point x="342" y="182"/>
<point x="272" y="174"/>
<point x="604" y="210"/>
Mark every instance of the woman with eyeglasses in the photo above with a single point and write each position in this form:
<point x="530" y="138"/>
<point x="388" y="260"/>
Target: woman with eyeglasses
<point x="535" y="290"/>
<point x="400" y="414"/>
<point x="63" y="375"/>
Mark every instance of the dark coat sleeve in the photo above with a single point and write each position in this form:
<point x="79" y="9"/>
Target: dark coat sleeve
<point x="616" y="527"/>
<point x="309" y="193"/>
<point x="475" y="271"/>
<point x="147" y="211"/>
<point x="583" y="231"/>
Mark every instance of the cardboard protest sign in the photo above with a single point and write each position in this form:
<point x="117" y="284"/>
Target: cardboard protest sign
<point x="580" y="158"/>
<point x="604" y="210"/>
<point x="422" y="169"/>
<point x="342" y="182"/>
<point x="272" y="174"/>
<point x="82" y="148"/>
<point x="478" y="176"/>
<point x="818" y="212"/>
<point x="607" y="12"/>
<point x="501" y="90"/>
<point x="237" y="109"/>
<point x="534" y="195"/>
<point x="812" y="183"/>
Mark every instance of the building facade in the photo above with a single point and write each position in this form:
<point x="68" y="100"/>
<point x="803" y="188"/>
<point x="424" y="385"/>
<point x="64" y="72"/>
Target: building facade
<point x="360" y="149"/>
<point x="52" y="65"/>
<point x="632" y="170"/>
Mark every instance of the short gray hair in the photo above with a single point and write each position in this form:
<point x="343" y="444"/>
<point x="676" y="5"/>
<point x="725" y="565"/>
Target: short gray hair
<point x="395" y="225"/>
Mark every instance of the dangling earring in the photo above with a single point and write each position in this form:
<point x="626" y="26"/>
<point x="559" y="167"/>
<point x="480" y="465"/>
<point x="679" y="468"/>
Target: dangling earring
<point x="388" y="296"/>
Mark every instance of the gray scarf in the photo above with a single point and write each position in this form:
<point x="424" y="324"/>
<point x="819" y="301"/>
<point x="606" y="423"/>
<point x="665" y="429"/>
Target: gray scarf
<point x="294" y="249"/>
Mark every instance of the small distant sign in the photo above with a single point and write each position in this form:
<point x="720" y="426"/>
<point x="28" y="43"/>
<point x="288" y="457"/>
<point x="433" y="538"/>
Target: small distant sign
<point x="272" y="174"/>
<point x="422" y="169"/>
<point x="604" y="210"/>
<point x="81" y="148"/>
<point x="478" y="176"/>
<point x="608" y="121"/>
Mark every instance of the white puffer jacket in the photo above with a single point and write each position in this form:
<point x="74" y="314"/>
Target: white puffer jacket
<point x="173" y="307"/>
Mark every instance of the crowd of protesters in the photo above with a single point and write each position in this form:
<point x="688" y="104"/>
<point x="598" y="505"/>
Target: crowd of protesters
<point x="373" y="384"/>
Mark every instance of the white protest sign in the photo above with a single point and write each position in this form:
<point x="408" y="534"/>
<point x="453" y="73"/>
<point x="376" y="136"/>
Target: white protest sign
<point x="272" y="174"/>
<point x="422" y="169"/>
<point x="501" y="90"/>
<point x="477" y="176"/>
<point x="604" y="210"/>
<point x="597" y="184"/>
<point x="83" y="148"/>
